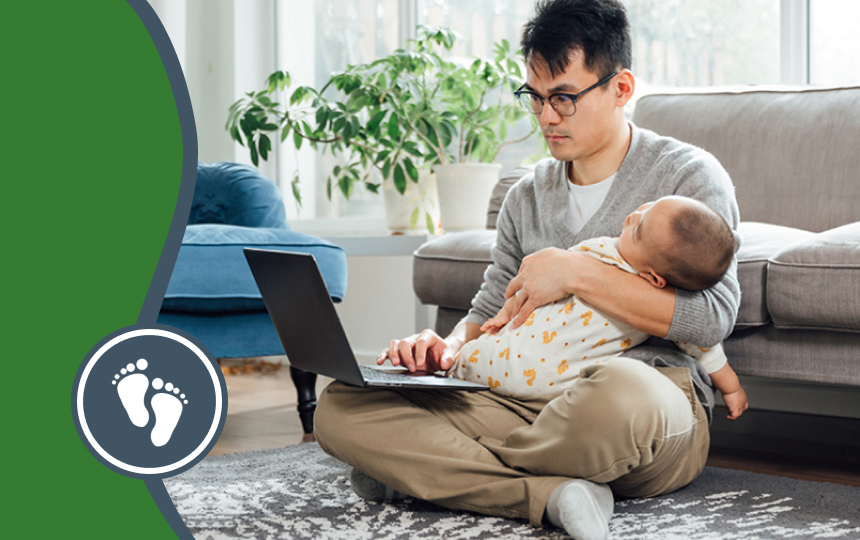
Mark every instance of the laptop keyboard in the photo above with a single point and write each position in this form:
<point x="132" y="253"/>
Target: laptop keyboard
<point x="379" y="375"/>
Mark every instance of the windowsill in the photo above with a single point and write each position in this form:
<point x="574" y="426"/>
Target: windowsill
<point x="346" y="226"/>
<point x="352" y="227"/>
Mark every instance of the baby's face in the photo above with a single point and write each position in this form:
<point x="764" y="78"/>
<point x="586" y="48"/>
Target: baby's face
<point x="645" y="232"/>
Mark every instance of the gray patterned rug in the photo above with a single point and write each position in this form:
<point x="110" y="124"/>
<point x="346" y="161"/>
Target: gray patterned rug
<point x="300" y="492"/>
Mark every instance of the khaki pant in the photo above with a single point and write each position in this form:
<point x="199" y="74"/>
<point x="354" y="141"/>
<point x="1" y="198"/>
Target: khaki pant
<point x="638" y="428"/>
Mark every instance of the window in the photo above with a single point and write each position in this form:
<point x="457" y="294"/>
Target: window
<point x="833" y="42"/>
<point x="675" y="43"/>
<point x="695" y="43"/>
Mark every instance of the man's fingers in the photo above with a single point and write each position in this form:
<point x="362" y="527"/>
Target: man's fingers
<point x="518" y="316"/>
<point x="525" y="311"/>
<point x="420" y="354"/>
<point x="392" y="353"/>
<point x="447" y="360"/>
<point x="404" y="352"/>
<point x="513" y="286"/>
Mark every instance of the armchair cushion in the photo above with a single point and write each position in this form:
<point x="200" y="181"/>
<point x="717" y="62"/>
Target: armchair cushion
<point x="815" y="282"/>
<point x="211" y="273"/>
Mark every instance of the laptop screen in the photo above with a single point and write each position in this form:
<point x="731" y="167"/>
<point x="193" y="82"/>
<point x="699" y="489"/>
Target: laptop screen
<point x="304" y="316"/>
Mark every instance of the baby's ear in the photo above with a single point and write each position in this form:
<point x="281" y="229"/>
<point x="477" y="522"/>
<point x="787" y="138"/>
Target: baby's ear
<point x="654" y="279"/>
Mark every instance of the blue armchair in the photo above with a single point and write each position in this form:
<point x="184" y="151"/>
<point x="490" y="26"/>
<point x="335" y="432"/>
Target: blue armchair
<point x="212" y="294"/>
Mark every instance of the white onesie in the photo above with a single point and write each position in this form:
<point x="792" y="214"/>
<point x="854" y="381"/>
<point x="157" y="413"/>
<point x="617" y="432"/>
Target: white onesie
<point x="545" y="355"/>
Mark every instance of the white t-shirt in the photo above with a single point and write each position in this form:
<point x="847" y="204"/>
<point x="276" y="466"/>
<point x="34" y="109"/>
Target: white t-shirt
<point x="584" y="201"/>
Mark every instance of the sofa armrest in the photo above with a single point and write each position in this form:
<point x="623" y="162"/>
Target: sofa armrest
<point x="501" y="189"/>
<point x="449" y="270"/>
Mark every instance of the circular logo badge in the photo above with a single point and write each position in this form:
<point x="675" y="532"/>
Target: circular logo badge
<point x="149" y="402"/>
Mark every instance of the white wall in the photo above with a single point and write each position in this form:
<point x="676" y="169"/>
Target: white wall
<point x="226" y="48"/>
<point x="379" y="305"/>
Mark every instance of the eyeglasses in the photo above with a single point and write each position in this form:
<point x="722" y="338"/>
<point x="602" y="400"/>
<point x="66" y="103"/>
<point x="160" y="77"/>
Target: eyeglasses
<point x="563" y="104"/>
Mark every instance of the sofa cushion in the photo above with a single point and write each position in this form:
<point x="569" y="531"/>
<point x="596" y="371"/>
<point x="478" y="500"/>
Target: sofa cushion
<point x="801" y="355"/>
<point x="449" y="270"/>
<point x="211" y="273"/>
<point x="760" y="242"/>
<point x="815" y="282"/>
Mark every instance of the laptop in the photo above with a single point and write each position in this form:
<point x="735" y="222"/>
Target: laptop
<point x="301" y="309"/>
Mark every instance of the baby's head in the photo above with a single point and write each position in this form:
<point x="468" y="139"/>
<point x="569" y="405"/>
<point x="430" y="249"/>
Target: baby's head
<point x="677" y="241"/>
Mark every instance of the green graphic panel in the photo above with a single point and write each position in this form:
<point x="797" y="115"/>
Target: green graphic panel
<point x="92" y="163"/>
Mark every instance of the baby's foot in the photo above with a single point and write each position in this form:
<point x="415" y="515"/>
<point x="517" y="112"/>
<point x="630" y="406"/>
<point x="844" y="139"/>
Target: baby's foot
<point x="167" y="409"/>
<point x="131" y="390"/>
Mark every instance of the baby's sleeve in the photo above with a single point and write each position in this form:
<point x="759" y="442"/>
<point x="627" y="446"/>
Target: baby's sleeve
<point x="712" y="359"/>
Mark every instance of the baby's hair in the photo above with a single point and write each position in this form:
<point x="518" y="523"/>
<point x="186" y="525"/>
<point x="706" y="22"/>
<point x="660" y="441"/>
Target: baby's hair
<point x="701" y="250"/>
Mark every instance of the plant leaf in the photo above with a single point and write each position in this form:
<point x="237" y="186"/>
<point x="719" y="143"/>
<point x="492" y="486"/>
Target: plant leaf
<point x="411" y="170"/>
<point x="297" y="139"/>
<point x="431" y="228"/>
<point x="321" y="117"/>
<point x="399" y="179"/>
<point x="254" y="158"/>
<point x="234" y="132"/>
<point x="345" y="184"/>
<point x="393" y="126"/>
<point x="375" y="121"/>
<point x="265" y="146"/>
<point x="386" y="168"/>
<point x="295" y="185"/>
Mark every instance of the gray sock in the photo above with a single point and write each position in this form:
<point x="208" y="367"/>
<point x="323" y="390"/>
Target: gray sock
<point x="372" y="490"/>
<point x="581" y="508"/>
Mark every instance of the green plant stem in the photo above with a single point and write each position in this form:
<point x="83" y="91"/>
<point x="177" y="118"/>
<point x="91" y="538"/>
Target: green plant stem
<point x="465" y="123"/>
<point x="530" y="133"/>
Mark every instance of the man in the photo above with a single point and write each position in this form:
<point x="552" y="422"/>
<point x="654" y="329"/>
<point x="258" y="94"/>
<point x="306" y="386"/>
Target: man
<point x="634" y="426"/>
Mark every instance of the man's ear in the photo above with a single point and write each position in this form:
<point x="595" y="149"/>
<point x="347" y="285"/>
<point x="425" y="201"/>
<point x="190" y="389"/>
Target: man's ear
<point x="625" y="86"/>
<point x="654" y="279"/>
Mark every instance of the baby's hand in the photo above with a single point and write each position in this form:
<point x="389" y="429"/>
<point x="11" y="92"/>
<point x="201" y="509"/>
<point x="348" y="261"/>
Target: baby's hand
<point x="495" y="324"/>
<point x="736" y="402"/>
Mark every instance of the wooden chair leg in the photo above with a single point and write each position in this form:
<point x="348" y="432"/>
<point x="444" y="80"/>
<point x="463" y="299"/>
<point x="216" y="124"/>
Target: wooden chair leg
<point x="305" y="382"/>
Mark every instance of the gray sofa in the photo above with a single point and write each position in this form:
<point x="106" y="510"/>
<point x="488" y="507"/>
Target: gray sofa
<point x="794" y="156"/>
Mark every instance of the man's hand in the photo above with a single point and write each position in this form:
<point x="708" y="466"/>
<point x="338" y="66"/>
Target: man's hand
<point x="426" y="351"/>
<point x="546" y="276"/>
<point x="736" y="402"/>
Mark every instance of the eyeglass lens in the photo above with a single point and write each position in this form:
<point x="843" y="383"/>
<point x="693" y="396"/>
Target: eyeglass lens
<point x="534" y="104"/>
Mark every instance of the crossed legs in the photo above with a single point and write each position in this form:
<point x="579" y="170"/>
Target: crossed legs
<point x="638" y="428"/>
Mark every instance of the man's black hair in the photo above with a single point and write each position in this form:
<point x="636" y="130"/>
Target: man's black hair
<point x="596" y="28"/>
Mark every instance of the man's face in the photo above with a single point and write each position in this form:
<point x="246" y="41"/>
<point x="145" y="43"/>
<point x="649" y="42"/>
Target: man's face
<point x="588" y="131"/>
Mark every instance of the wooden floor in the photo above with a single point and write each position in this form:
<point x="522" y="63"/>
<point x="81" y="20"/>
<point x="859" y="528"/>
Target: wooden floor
<point x="262" y="414"/>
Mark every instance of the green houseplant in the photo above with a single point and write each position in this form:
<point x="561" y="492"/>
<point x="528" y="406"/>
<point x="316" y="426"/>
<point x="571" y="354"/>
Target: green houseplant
<point x="407" y="111"/>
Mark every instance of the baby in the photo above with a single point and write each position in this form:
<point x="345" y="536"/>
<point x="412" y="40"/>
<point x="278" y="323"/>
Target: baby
<point x="674" y="240"/>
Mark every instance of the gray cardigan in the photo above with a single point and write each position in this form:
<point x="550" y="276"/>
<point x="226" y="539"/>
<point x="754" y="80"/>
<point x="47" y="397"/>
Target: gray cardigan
<point x="532" y="218"/>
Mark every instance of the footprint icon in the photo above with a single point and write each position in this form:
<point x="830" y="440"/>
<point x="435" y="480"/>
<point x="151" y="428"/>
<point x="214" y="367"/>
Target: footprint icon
<point x="131" y="389"/>
<point x="167" y="408"/>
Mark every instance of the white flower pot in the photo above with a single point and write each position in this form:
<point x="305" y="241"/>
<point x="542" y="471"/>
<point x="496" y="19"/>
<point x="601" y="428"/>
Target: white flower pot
<point x="464" y="194"/>
<point x="400" y="209"/>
